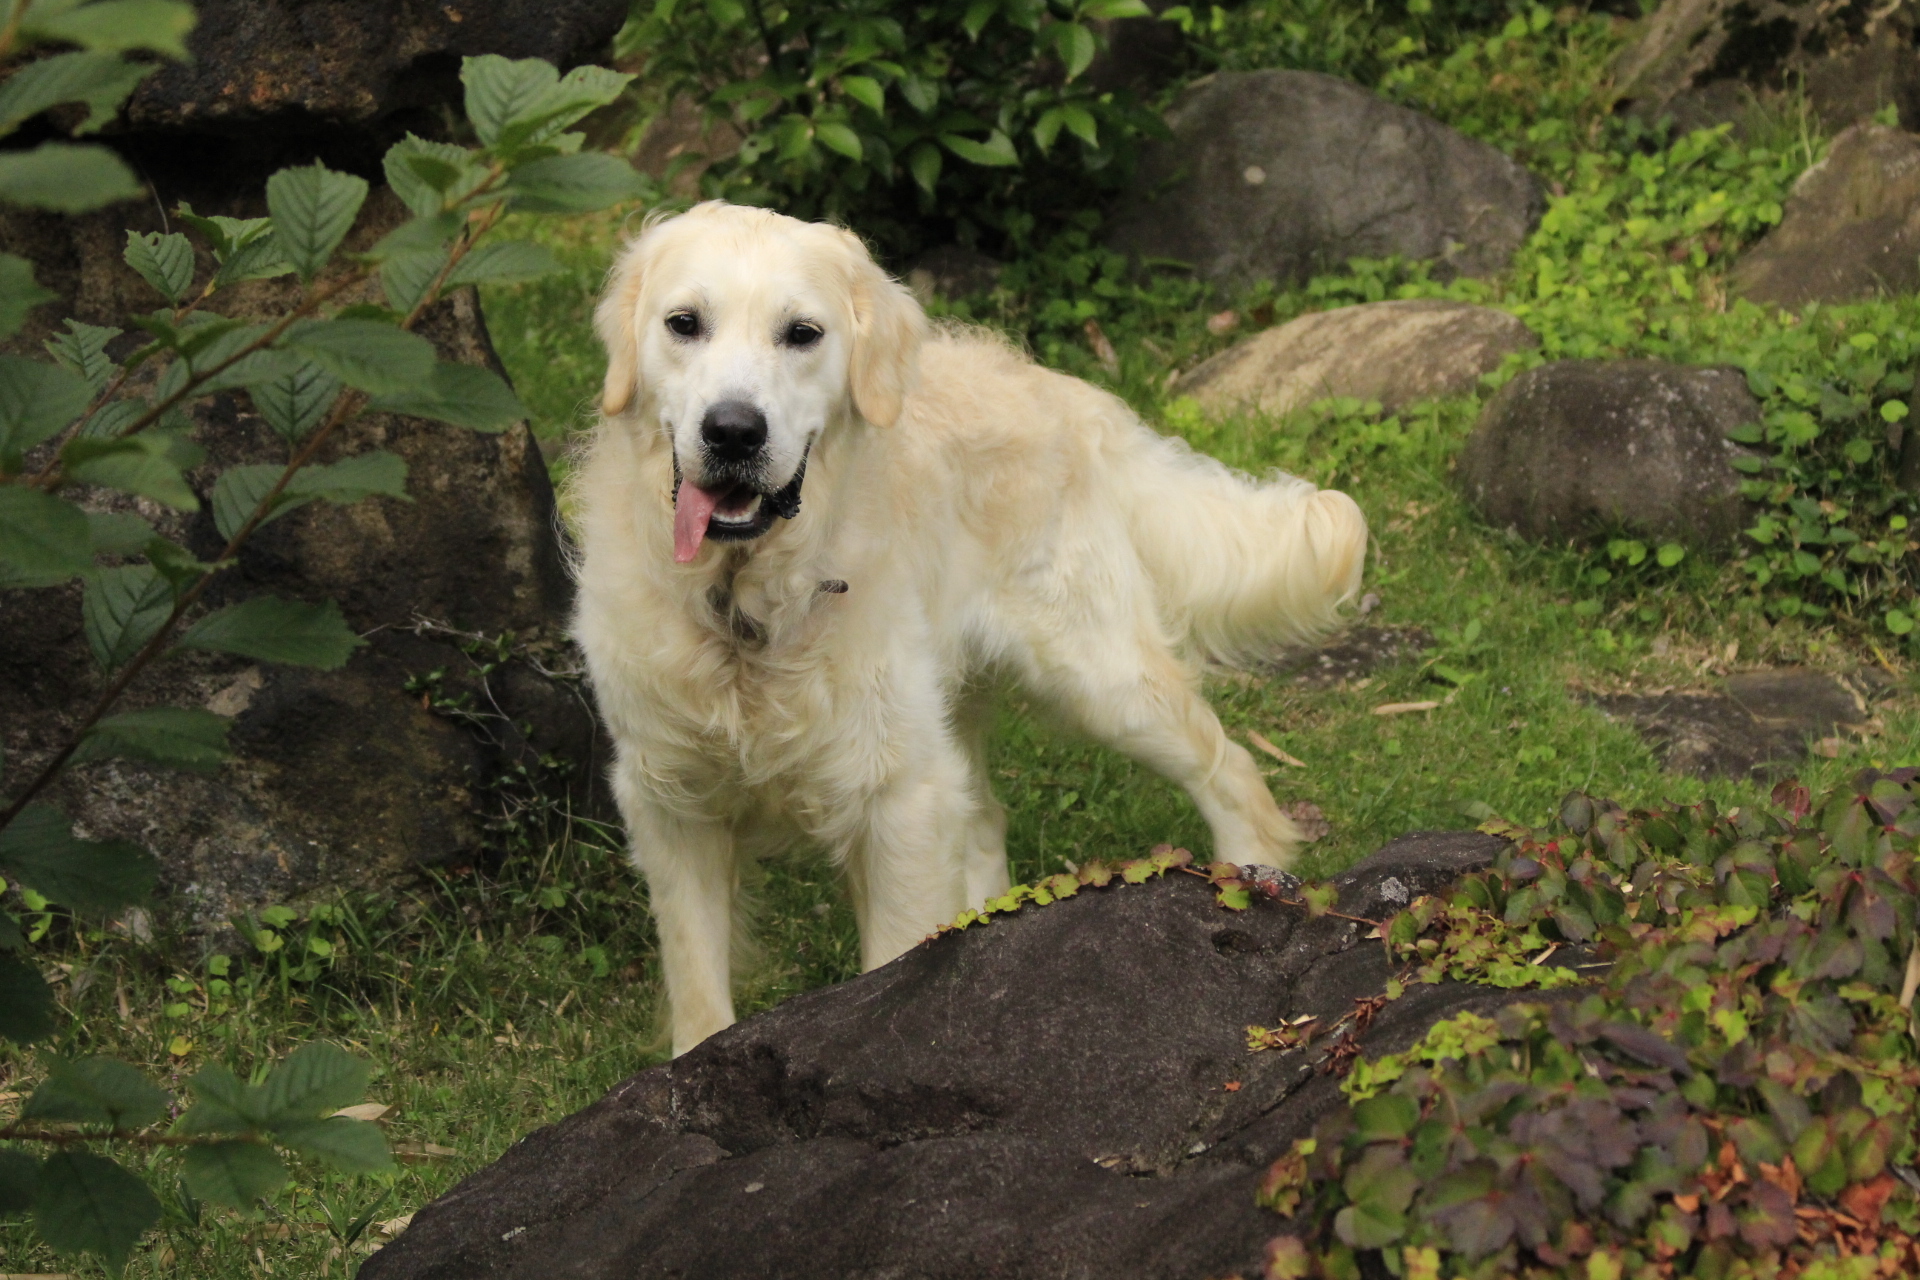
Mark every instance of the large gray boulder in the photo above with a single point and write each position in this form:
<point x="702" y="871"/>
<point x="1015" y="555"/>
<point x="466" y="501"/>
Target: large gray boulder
<point x="1850" y="230"/>
<point x="1274" y="175"/>
<point x="1707" y="62"/>
<point x="1581" y="447"/>
<point x="1393" y="352"/>
<point x="1063" y="1092"/>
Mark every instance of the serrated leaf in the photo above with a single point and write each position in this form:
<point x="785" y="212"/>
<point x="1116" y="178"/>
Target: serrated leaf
<point x="37" y="399"/>
<point x="351" y="1146"/>
<point x="297" y="402"/>
<point x="258" y="259"/>
<point x="314" y="1081"/>
<point x="583" y="183"/>
<point x="270" y="629"/>
<point x="43" y="539"/>
<point x="90" y="876"/>
<point x="151" y="464"/>
<point x="17" y="1172"/>
<point x="98" y="1091"/>
<point x="20" y="293"/>
<point x="98" y="80"/>
<point x="121" y="609"/>
<point x="406" y="277"/>
<point x="578" y="92"/>
<point x="235" y="1173"/>
<point x="226" y="1104"/>
<point x="115" y="26"/>
<point x="65" y="177"/>
<point x="462" y="394"/>
<point x="504" y="262"/>
<point x="997" y="150"/>
<point x="313" y="208"/>
<point x="163" y="261"/>
<point x="189" y="738"/>
<point x="367" y="354"/>
<point x="428" y="176"/>
<point x="82" y="351"/>
<point x="84" y="1203"/>
<point x="243" y="368"/>
<point x="239" y="492"/>
<point x="26" y="1002"/>
<point x="499" y="90"/>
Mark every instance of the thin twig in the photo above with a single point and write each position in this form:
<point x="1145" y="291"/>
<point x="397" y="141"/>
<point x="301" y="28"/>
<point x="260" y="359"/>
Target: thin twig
<point x="138" y="1137"/>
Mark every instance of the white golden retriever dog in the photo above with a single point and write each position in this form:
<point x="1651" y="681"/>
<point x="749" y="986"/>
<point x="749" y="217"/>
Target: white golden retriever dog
<point x="816" y="533"/>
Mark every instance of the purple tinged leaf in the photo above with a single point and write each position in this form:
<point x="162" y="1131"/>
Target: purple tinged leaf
<point x="1638" y="1042"/>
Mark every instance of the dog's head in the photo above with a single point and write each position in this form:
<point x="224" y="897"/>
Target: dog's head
<point x="746" y="335"/>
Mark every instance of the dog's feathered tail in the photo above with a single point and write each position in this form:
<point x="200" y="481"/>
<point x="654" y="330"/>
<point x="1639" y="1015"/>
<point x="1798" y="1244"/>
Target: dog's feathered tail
<point x="1243" y="567"/>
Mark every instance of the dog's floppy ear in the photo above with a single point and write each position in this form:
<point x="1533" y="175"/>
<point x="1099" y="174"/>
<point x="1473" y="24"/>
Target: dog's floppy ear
<point x="888" y="328"/>
<point x="613" y="319"/>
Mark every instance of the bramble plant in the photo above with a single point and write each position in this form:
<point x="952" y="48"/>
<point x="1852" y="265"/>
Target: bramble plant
<point x="885" y="115"/>
<point x="85" y="425"/>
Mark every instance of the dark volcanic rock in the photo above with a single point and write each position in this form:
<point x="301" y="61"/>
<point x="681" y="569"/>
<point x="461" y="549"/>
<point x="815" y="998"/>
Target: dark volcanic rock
<point x="1579" y="447"/>
<point x="1044" y="1095"/>
<point x="1762" y="723"/>
<point x="1850" y="230"/>
<point x="1273" y="175"/>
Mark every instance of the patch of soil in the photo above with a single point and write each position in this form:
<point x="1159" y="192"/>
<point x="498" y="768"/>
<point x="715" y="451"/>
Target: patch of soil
<point x="1360" y="652"/>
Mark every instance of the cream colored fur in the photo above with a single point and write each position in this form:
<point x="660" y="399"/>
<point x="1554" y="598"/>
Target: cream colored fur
<point x="990" y="518"/>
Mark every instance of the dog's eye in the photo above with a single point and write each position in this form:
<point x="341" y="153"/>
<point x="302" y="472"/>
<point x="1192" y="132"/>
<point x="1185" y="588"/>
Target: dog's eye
<point x="685" y="324"/>
<point x="802" y="333"/>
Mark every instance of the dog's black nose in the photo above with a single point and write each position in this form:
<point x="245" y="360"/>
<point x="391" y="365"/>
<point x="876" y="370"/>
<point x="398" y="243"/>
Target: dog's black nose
<point x="733" y="430"/>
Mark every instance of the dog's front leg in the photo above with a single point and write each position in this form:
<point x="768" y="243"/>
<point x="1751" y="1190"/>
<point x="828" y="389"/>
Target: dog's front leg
<point x="907" y="865"/>
<point x="691" y="879"/>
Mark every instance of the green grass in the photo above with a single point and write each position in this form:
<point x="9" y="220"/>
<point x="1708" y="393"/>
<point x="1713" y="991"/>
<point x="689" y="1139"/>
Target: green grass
<point x="501" y="999"/>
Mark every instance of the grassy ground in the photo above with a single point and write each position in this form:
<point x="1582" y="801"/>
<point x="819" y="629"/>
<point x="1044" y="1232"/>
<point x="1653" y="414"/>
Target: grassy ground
<point x="491" y="1003"/>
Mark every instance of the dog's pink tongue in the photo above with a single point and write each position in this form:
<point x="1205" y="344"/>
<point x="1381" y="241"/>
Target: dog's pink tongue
<point x="692" y="509"/>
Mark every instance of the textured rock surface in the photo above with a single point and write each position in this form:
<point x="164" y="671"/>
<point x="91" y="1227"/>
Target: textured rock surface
<point x="1393" y="352"/>
<point x="1850" y="230"/>
<point x="1578" y="447"/>
<point x="1762" y="722"/>
<point x="1043" y="1096"/>
<point x="1703" y="61"/>
<point x="1276" y="174"/>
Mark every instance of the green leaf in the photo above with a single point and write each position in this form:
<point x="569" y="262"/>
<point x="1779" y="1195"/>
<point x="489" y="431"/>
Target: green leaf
<point x="351" y="1146"/>
<point x="462" y="394"/>
<point x="83" y="1203"/>
<point x="236" y="1173"/>
<point x="26" y="1002"/>
<point x="91" y="876"/>
<point x="837" y="137"/>
<point x="1108" y="10"/>
<point x="924" y="163"/>
<point x="500" y="90"/>
<point x="1669" y="554"/>
<point x="1047" y="128"/>
<point x="243" y="367"/>
<point x="367" y="354"/>
<point x="581" y="183"/>
<point x="240" y="490"/>
<point x="65" y="178"/>
<point x="37" y="399"/>
<point x="866" y="91"/>
<point x="150" y="464"/>
<point x="99" y="80"/>
<point x="189" y="738"/>
<point x="98" y="1091"/>
<point x="82" y="350"/>
<point x="1081" y="124"/>
<point x="427" y="176"/>
<point x="226" y="1105"/>
<point x="121" y="610"/>
<point x="118" y="533"/>
<point x="270" y="629"/>
<point x="406" y="277"/>
<point x="978" y="14"/>
<point x="258" y="259"/>
<point x="43" y="539"/>
<point x="297" y="402"/>
<point x="996" y="150"/>
<point x="504" y="262"/>
<point x="17" y="1172"/>
<point x="20" y="293"/>
<point x="313" y="208"/>
<point x="579" y="91"/>
<point x="316" y="1079"/>
<point x="114" y="26"/>
<point x="1076" y="45"/>
<point x="1385" y="1117"/>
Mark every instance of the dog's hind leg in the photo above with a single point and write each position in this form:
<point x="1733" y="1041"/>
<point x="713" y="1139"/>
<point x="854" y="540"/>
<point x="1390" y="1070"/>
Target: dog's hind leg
<point x="1131" y="694"/>
<point x="691" y="880"/>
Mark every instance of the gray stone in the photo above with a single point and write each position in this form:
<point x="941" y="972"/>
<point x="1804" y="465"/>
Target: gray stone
<point x="1063" y="1092"/>
<point x="1707" y="62"/>
<point x="1583" y="447"/>
<point x="1274" y="175"/>
<point x="1393" y="352"/>
<point x="1761" y="722"/>
<point x="1850" y="230"/>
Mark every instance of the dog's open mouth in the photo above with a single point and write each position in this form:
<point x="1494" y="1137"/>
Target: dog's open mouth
<point x="728" y="513"/>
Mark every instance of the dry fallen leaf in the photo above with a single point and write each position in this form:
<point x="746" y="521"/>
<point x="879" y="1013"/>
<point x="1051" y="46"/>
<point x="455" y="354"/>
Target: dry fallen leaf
<point x="1231" y="1086"/>
<point x="1223" y="322"/>
<point x="1102" y="348"/>
<point x="1831" y="748"/>
<point x="1260" y="742"/>
<point x="413" y="1151"/>
<point x="1402" y="708"/>
<point x="364" y="1110"/>
<point x="394" y="1226"/>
